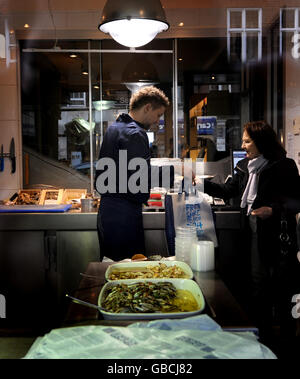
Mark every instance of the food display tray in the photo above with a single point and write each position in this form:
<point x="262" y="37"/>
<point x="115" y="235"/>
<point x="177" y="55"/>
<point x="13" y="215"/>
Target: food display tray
<point x="185" y="267"/>
<point x="52" y="197"/>
<point x="184" y="284"/>
<point x="72" y="194"/>
<point x="35" y="208"/>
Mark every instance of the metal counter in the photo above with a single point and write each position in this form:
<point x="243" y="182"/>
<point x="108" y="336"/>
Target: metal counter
<point x="43" y="254"/>
<point x="72" y="220"/>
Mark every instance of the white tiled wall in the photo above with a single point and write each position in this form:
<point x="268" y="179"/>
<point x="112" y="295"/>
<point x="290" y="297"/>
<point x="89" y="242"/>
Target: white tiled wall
<point x="10" y="127"/>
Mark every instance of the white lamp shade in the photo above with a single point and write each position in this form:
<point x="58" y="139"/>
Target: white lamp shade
<point x="133" y="23"/>
<point x="134" y="32"/>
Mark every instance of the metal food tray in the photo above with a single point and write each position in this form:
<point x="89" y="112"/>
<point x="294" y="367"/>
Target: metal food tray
<point x="184" y="284"/>
<point x="185" y="267"/>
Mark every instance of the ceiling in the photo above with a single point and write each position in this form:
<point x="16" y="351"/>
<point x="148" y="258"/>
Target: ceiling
<point x="78" y="19"/>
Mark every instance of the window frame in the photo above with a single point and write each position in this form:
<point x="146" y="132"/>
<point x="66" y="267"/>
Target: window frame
<point x="244" y="31"/>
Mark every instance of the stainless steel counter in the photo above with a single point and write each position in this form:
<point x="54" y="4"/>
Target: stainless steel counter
<point x="43" y="254"/>
<point x="72" y="220"/>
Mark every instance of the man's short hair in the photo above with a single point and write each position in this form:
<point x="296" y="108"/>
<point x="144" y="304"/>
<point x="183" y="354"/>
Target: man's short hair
<point x="146" y="95"/>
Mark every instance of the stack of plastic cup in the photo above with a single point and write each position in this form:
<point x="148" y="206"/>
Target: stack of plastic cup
<point x="203" y="256"/>
<point x="184" y="240"/>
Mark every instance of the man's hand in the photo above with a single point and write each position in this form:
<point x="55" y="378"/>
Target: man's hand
<point x="193" y="178"/>
<point x="262" y="212"/>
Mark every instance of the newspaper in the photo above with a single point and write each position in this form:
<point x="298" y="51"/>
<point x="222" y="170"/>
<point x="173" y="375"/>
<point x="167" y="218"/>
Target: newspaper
<point x="197" y="337"/>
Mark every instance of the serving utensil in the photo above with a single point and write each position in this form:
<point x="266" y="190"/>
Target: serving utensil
<point x="82" y="302"/>
<point x="90" y="276"/>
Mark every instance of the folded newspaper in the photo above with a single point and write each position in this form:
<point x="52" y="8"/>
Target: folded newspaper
<point x="197" y="337"/>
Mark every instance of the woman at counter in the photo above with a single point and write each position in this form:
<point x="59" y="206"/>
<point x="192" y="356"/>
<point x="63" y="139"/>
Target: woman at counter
<point x="264" y="181"/>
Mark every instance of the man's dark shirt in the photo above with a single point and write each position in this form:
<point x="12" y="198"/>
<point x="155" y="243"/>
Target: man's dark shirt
<point x="130" y="135"/>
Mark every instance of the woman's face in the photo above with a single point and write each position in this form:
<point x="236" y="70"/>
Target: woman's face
<point x="249" y="146"/>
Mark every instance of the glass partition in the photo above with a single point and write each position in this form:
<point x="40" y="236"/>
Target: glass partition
<point x="210" y="99"/>
<point x="72" y="94"/>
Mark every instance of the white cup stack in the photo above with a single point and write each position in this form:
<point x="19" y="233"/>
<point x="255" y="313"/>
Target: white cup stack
<point x="203" y="256"/>
<point x="186" y="236"/>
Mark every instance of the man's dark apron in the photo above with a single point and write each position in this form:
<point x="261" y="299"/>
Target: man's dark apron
<point x="120" y="228"/>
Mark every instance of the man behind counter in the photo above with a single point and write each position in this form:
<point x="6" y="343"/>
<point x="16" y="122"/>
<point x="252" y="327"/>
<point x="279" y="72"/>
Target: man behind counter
<point x="120" y="222"/>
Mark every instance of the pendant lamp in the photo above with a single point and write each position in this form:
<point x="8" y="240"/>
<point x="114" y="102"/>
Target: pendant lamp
<point x="133" y="23"/>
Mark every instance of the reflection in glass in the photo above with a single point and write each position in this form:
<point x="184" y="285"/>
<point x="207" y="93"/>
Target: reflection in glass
<point x="288" y="46"/>
<point x="235" y="47"/>
<point x="55" y="118"/>
<point x="59" y="121"/>
<point x="212" y="92"/>
<point x="128" y="73"/>
<point x="210" y="98"/>
<point x="288" y="18"/>
<point x="235" y="19"/>
<point x="252" y="46"/>
<point x="252" y="19"/>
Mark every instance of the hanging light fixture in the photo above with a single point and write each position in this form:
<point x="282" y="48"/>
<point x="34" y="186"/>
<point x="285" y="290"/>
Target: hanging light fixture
<point x="133" y="23"/>
<point x="139" y="72"/>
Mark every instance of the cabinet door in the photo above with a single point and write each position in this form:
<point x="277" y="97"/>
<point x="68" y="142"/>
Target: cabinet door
<point x="232" y="263"/>
<point x="155" y="242"/>
<point x="22" y="275"/>
<point x="75" y="249"/>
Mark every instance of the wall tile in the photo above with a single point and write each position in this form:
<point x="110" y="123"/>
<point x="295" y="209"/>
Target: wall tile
<point x="8" y="75"/>
<point x="8" y="103"/>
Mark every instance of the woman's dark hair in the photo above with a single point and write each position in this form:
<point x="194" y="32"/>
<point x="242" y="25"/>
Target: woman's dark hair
<point x="265" y="140"/>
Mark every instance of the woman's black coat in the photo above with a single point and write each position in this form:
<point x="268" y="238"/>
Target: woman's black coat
<point x="278" y="188"/>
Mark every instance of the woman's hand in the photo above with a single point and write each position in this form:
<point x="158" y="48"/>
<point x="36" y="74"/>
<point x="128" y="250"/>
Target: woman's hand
<point x="262" y="212"/>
